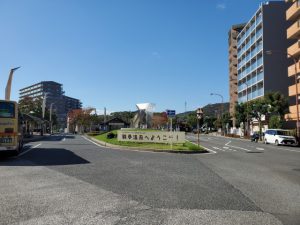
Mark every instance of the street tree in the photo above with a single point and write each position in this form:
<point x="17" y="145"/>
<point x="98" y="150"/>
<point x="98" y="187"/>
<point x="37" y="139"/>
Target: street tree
<point x="240" y="113"/>
<point x="258" y="109"/>
<point x="278" y="103"/>
<point x="226" y="119"/>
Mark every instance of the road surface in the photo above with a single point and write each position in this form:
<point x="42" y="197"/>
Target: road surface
<point x="68" y="179"/>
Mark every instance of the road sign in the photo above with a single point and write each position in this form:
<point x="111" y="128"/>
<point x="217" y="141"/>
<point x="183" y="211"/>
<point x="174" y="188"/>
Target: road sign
<point x="171" y="113"/>
<point x="199" y="113"/>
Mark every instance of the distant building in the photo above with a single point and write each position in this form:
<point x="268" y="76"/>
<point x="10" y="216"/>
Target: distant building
<point x="258" y="71"/>
<point x="114" y="124"/>
<point x="233" y="72"/>
<point x="61" y="104"/>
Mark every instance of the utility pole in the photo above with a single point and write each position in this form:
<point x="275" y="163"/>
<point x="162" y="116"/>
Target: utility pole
<point x="43" y="113"/>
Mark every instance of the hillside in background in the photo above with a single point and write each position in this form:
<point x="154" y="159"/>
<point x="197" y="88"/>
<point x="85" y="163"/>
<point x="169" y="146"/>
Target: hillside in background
<point x="211" y="110"/>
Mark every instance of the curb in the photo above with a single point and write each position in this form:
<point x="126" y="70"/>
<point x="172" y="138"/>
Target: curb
<point x="107" y="145"/>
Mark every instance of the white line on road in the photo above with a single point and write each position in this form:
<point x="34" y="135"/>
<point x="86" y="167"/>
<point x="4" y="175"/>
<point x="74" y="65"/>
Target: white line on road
<point x="93" y="142"/>
<point x="229" y="149"/>
<point x="23" y="153"/>
<point x="261" y="149"/>
<point x="227" y="144"/>
<point x="210" y="151"/>
<point x="219" y="149"/>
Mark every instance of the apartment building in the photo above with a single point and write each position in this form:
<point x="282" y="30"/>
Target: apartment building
<point x="54" y="95"/>
<point x="233" y="88"/>
<point x="261" y="46"/>
<point x="293" y="35"/>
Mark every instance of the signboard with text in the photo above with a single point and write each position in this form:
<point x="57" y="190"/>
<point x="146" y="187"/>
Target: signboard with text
<point x="151" y="137"/>
<point x="171" y="113"/>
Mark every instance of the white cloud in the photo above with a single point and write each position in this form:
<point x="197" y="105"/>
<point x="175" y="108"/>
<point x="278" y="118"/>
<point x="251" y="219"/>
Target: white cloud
<point x="221" y="6"/>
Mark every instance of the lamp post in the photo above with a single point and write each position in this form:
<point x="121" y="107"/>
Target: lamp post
<point x="221" y="112"/>
<point x="199" y="116"/>
<point x="50" y="118"/>
<point x="270" y="52"/>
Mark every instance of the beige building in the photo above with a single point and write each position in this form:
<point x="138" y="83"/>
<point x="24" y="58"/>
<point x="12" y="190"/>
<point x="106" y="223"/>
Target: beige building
<point x="233" y="89"/>
<point x="293" y="35"/>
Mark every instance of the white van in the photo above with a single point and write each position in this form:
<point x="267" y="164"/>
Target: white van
<point x="279" y="137"/>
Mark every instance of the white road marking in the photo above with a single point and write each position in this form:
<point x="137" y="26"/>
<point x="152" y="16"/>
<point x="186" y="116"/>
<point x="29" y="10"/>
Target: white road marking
<point x="210" y="151"/>
<point x="93" y="142"/>
<point x="227" y="148"/>
<point x="219" y="149"/>
<point x="261" y="149"/>
<point x="29" y="149"/>
<point x="227" y="144"/>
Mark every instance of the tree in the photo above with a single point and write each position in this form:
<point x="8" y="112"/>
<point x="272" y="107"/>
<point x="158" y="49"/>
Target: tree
<point x="226" y="119"/>
<point x="278" y="103"/>
<point x="275" y="122"/>
<point x="159" y="120"/>
<point x="240" y="113"/>
<point x="209" y="121"/>
<point x="126" y="116"/>
<point x="259" y="108"/>
<point x="81" y="118"/>
<point x="192" y="119"/>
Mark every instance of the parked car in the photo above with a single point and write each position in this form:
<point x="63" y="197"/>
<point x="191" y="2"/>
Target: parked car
<point x="279" y="137"/>
<point x="254" y="137"/>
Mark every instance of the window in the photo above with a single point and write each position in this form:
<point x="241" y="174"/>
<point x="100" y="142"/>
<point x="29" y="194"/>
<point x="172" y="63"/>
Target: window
<point x="7" y="110"/>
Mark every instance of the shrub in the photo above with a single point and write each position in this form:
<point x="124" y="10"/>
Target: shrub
<point x="111" y="135"/>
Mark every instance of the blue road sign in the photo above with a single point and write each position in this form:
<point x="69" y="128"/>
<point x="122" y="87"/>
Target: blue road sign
<point x="171" y="113"/>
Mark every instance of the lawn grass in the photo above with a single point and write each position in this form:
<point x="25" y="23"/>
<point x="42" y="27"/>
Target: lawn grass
<point x="187" y="146"/>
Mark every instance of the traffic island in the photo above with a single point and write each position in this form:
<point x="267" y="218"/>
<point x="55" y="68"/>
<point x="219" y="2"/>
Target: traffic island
<point x="110" y="139"/>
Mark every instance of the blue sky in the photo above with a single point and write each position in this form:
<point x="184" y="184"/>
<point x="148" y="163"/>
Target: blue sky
<point x="116" y="53"/>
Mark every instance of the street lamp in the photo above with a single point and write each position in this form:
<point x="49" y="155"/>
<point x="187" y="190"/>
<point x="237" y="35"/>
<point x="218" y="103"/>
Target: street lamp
<point x="221" y="108"/>
<point x="270" y="52"/>
<point x="199" y="113"/>
<point x="50" y="118"/>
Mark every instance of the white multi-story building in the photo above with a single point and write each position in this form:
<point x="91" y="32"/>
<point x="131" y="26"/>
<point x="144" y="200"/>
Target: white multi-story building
<point x="261" y="53"/>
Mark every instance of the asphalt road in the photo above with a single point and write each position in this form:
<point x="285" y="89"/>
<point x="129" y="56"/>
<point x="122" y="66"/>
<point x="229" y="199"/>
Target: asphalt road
<point x="70" y="180"/>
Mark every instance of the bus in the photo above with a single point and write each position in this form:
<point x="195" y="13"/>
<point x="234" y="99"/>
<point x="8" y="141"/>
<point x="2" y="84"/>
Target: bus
<point x="11" y="130"/>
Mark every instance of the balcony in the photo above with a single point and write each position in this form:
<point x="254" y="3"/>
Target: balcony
<point x="292" y="90"/>
<point x="294" y="50"/>
<point x="292" y="115"/>
<point x="292" y="71"/>
<point x="293" y="12"/>
<point x="233" y="62"/>
<point x="293" y="32"/>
